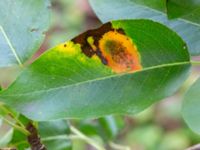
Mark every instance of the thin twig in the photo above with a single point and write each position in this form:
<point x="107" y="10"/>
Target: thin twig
<point x="85" y="138"/>
<point x="195" y="63"/>
<point x="24" y="131"/>
<point x="8" y="112"/>
<point x="51" y="138"/>
<point x="119" y="147"/>
<point x="61" y="137"/>
<point x="34" y="139"/>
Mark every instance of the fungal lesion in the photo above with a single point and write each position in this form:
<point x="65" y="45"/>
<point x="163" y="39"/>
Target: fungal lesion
<point x="112" y="47"/>
<point x="119" y="50"/>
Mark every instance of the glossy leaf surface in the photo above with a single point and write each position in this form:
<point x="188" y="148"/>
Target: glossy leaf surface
<point x="187" y="27"/>
<point x="121" y="67"/>
<point x="22" y="27"/>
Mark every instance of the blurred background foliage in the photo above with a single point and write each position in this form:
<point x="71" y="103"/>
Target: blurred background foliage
<point x="160" y="127"/>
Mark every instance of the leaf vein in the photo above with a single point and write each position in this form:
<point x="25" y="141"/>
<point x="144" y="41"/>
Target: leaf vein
<point x="99" y="79"/>
<point x="10" y="45"/>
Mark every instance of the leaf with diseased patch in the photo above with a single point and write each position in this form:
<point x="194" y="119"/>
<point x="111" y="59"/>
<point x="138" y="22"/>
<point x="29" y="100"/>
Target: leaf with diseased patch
<point x="121" y="67"/>
<point x="187" y="27"/>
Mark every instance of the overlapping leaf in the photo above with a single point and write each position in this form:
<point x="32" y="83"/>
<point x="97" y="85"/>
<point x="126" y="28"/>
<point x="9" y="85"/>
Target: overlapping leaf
<point x="183" y="8"/>
<point x="22" y="27"/>
<point x="106" y="127"/>
<point x="187" y="27"/>
<point x="54" y="134"/>
<point x="122" y="67"/>
<point x="191" y="111"/>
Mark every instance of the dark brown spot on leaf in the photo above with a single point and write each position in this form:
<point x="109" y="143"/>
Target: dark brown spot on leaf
<point x="34" y="29"/>
<point x="97" y="35"/>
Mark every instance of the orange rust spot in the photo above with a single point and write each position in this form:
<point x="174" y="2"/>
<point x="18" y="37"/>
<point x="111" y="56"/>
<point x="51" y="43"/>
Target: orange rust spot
<point x="120" y="52"/>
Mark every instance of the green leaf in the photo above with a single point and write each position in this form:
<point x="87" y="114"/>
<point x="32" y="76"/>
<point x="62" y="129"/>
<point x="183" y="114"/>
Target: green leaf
<point x="19" y="139"/>
<point x="108" y="128"/>
<point x="22" y="27"/>
<point x="88" y="127"/>
<point x="122" y="67"/>
<point x="190" y="10"/>
<point x="55" y="135"/>
<point x="186" y="27"/>
<point x="190" y="108"/>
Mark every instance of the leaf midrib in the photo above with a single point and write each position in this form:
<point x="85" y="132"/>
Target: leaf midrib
<point x="10" y="45"/>
<point x="99" y="79"/>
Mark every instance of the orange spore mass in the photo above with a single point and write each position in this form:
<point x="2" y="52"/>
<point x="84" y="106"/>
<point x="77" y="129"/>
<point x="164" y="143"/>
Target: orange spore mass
<point x="120" y="52"/>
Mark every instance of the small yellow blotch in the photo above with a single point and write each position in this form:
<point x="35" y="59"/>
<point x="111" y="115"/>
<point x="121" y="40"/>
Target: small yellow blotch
<point x="120" y="52"/>
<point x="90" y="41"/>
<point x="96" y="58"/>
<point x="82" y="59"/>
<point x="69" y="48"/>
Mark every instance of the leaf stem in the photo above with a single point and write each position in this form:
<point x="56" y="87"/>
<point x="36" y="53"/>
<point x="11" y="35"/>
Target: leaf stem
<point x="61" y="137"/>
<point x="24" y="131"/>
<point x="20" y="125"/>
<point x="118" y="147"/>
<point x="10" y="45"/>
<point x="10" y="113"/>
<point x="85" y="138"/>
<point x="195" y="63"/>
<point x="50" y="138"/>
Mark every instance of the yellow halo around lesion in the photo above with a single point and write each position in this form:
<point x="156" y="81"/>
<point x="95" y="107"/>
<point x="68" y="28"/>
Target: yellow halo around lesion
<point x="120" y="52"/>
<point x="69" y="48"/>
